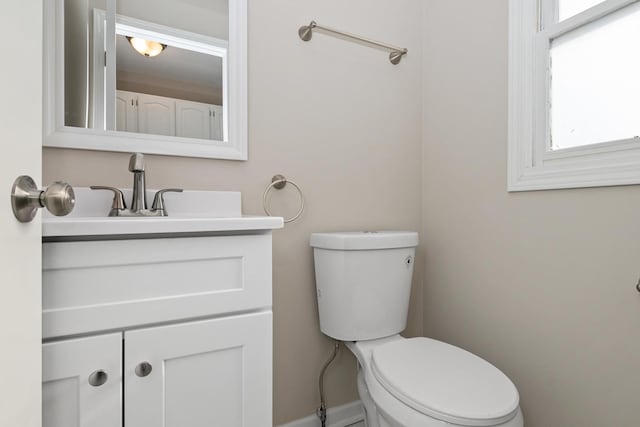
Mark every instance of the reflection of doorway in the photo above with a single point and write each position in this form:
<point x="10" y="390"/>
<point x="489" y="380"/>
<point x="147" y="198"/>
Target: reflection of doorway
<point x="193" y="68"/>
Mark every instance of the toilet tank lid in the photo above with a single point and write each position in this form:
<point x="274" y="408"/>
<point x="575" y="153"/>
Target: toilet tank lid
<point x="363" y="240"/>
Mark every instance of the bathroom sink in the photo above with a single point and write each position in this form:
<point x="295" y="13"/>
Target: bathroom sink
<point x="189" y="212"/>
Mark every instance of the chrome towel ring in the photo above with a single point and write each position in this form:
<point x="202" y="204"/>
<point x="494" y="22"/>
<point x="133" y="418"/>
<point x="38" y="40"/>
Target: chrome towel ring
<point x="279" y="182"/>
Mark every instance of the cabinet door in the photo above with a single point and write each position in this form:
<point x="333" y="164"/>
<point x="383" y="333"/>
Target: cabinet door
<point x="68" y="398"/>
<point x="156" y="115"/>
<point x="126" y="111"/>
<point x="209" y="373"/>
<point x="215" y="123"/>
<point x="192" y="119"/>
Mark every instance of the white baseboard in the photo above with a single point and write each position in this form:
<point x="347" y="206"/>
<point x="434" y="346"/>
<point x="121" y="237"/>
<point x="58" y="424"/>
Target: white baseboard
<point x="347" y="415"/>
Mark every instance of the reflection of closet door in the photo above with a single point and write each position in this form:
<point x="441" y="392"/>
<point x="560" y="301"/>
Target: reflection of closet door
<point x="215" y="123"/>
<point x="156" y="115"/>
<point x="192" y="119"/>
<point x="82" y="382"/>
<point x="126" y="111"/>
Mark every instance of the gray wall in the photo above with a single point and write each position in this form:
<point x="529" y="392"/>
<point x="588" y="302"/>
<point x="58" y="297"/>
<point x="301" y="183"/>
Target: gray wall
<point x="539" y="283"/>
<point x="343" y="123"/>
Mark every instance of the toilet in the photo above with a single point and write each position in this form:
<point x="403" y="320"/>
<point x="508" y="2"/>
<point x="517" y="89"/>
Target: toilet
<point x="363" y="283"/>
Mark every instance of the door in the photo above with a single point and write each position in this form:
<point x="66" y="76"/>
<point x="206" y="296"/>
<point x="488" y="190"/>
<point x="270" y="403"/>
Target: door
<point x="200" y="374"/>
<point x="21" y="141"/>
<point x="216" y="123"/>
<point x="156" y="115"/>
<point x="82" y="382"/>
<point x="192" y="119"/>
<point x="126" y="111"/>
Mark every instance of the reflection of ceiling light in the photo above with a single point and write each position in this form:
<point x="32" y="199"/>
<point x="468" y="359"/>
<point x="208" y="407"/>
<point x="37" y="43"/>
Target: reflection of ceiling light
<point x="146" y="47"/>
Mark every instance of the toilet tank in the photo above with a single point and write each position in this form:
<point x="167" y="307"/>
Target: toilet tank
<point x="363" y="282"/>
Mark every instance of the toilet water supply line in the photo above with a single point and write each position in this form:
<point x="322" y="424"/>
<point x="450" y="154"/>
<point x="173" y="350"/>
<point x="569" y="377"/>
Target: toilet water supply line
<point x="321" y="412"/>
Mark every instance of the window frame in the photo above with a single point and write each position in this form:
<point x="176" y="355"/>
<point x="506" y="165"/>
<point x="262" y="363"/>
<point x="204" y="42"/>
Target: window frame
<point x="532" y="165"/>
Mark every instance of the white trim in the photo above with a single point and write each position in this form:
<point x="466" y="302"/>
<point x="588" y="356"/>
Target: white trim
<point x="532" y="165"/>
<point x="110" y="68"/>
<point x="98" y="70"/>
<point x="350" y="414"/>
<point x="585" y="17"/>
<point x="128" y="26"/>
<point x="235" y="107"/>
<point x="524" y="17"/>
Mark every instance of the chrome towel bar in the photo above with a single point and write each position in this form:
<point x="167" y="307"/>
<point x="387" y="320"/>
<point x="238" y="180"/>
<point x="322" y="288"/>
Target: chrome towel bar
<point x="306" y="31"/>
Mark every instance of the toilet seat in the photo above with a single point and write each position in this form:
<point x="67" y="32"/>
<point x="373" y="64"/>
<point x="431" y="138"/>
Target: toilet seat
<point x="444" y="382"/>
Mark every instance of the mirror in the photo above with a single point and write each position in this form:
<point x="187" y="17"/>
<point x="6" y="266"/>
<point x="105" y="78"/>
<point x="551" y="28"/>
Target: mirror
<point x="146" y="76"/>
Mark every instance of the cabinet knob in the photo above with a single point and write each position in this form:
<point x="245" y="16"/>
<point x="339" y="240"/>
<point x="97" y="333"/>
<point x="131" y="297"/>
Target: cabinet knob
<point x="97" y="378"/>
<point x="143" y="369"/>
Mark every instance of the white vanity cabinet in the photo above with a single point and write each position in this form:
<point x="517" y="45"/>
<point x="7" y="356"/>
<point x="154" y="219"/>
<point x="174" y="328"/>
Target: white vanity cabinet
<point x="182" y="327"/>
<point x="209" y="373"/>
<point x="126" y="111"/>
<point x="198" y="120"/>
<point x="159" y="115"/>
<point x="150" y="114"/>
<point x="156" y="115"/>
<point x="68" y="398"/>
<point x="215" y="123"/>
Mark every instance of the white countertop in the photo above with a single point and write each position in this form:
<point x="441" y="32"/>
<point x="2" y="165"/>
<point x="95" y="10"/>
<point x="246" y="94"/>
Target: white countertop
<point x="70" y="227"/>
<point x="190" y="212"/>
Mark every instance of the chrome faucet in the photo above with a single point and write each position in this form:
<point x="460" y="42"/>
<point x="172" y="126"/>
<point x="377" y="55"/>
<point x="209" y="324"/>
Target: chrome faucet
<point x="139" y="198"/>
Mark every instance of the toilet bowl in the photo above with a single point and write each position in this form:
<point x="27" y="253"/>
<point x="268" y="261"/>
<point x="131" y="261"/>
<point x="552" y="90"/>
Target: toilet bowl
<point x="363" y="282"/>
<point x="420" y="382"/>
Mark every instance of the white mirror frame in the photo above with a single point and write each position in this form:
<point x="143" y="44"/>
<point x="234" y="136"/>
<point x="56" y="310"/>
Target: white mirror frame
<point x="56" y="134"/>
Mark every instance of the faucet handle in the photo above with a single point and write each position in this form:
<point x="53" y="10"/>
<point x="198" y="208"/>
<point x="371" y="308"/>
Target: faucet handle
<point x="118" y="203"/>
<point x="136" y="163"/>
<point x="158" y="200"/>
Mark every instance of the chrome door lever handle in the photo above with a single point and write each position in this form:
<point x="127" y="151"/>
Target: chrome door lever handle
<point x="59" y="198"/>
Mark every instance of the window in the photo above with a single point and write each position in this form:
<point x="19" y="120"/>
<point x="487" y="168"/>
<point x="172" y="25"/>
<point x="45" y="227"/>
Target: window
<point x="574" y="93"/>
